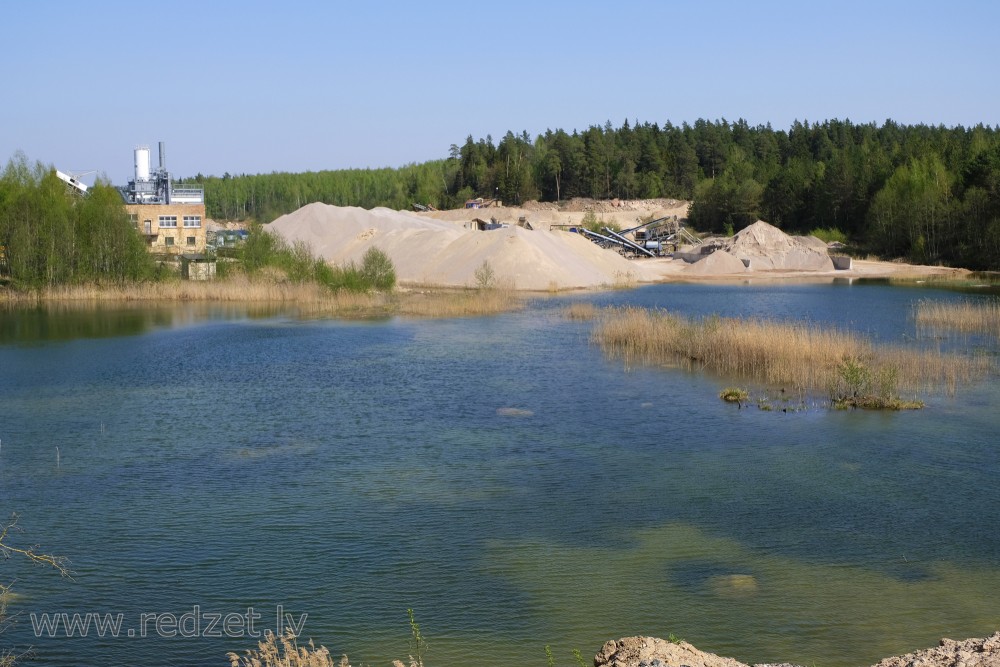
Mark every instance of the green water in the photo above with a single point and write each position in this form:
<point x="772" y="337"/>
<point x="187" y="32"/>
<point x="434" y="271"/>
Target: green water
<point x="226" y="459"/>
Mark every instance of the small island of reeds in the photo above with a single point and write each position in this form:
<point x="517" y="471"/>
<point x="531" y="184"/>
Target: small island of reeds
<point x="791" y="357"/>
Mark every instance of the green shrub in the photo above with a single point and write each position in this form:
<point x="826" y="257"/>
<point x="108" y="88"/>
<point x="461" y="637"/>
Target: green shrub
<point x="591" y="222"/>
<point x="259" y="250"/>
<point x="829" y="235"/>
<point x="377" y="270"/>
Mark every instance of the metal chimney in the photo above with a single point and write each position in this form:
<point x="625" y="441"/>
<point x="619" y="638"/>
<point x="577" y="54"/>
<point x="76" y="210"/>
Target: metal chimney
<point x="163" y="158"/>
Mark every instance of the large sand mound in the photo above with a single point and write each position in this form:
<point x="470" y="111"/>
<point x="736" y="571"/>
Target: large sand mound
<point x="436" y="252"/>
<point x="759" y="247"/>
<point x="769" y="248"/>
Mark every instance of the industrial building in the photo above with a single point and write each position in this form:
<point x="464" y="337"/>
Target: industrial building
<point x="170" y="217"/>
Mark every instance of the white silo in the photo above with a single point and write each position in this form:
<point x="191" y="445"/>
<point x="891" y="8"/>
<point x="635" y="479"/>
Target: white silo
<point x="141" y="163"/>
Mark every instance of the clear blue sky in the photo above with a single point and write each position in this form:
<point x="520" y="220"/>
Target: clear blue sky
<point x="256" y="87"/>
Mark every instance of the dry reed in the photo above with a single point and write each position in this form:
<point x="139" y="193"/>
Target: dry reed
<point x="965" y="316"/>
<point x="238" y="288"/>
<point x="458" y="303"/>
<point x="310" y="299"/>
<point x="284" y="651"/>
<point x="580" y="311"/>
<point x="794" y="356"/>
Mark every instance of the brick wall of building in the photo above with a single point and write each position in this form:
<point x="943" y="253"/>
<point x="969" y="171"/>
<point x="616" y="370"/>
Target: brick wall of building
<point x="153" y="222"/>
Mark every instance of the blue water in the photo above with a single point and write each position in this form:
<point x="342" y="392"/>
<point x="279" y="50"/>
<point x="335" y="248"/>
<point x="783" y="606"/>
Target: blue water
<point x="351" y="471"/>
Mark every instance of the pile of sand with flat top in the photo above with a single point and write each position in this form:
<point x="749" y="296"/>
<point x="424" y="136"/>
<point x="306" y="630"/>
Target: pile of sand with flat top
<point x="431" y="251"/>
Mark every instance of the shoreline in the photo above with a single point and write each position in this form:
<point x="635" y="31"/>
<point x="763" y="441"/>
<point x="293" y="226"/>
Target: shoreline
<point x="229" y="290"/>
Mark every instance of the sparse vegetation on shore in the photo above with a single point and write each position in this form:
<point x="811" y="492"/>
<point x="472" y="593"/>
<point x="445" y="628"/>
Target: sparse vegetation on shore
<point x="798" y="357"/>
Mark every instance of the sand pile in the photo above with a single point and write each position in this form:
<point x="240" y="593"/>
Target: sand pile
<point x="437" y="252"/>
<point x="766" y="248"/>
<point x="718" y="263"/>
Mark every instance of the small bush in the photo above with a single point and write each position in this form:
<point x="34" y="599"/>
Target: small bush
<point x="377" y="270"/>
<point x="591" y="222"/>
<point x="259" y="249"/>
<point x="870" y="388"/>
<point x="485" y="276"/>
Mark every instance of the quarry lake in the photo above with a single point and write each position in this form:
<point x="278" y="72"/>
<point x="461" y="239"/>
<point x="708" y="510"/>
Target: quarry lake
<point x="500" y="476"/>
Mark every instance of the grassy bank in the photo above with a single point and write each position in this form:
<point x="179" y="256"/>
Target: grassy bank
<point x="790" y="356"/>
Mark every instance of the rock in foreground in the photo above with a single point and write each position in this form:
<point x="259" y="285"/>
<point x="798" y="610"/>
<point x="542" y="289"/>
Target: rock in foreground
<point x="653" y="652"/>
<point x="951" y="653"/>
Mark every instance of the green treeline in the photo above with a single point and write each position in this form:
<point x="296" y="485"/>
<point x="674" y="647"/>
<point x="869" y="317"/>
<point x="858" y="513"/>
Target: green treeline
<point x="931" y="194"/>
<point x="50" y="236"/>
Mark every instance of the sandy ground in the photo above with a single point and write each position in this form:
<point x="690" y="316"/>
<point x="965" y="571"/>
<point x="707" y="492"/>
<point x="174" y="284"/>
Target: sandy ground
<point x="444" y="248"/>
<point x="665" y="269"/>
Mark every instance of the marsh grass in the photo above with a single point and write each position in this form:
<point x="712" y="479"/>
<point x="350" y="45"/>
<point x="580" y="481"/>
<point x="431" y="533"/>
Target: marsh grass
<point x="793" y="356"/>
<point x="964" y="316"/>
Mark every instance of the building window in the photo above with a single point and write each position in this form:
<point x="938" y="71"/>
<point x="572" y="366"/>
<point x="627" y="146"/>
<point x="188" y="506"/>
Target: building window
<point x="168" y="221"/>
<point x="134" y="219"/>
<point x="169" y="240"/>
<point x="190" y="240"/>
<point x="192" y="221"/>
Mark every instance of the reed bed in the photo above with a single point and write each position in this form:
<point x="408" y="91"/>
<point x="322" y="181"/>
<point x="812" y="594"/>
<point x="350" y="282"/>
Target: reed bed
<point x="581" y="311"/>
<point x="459" y="303"/>
<point x="310" y="299"/>
<point x="238" y="288"/>
<point x="792" y="356"/>
<point x="965" y="316"/>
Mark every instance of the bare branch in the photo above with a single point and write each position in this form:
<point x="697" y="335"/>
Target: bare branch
<point x="60" y="563"/>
